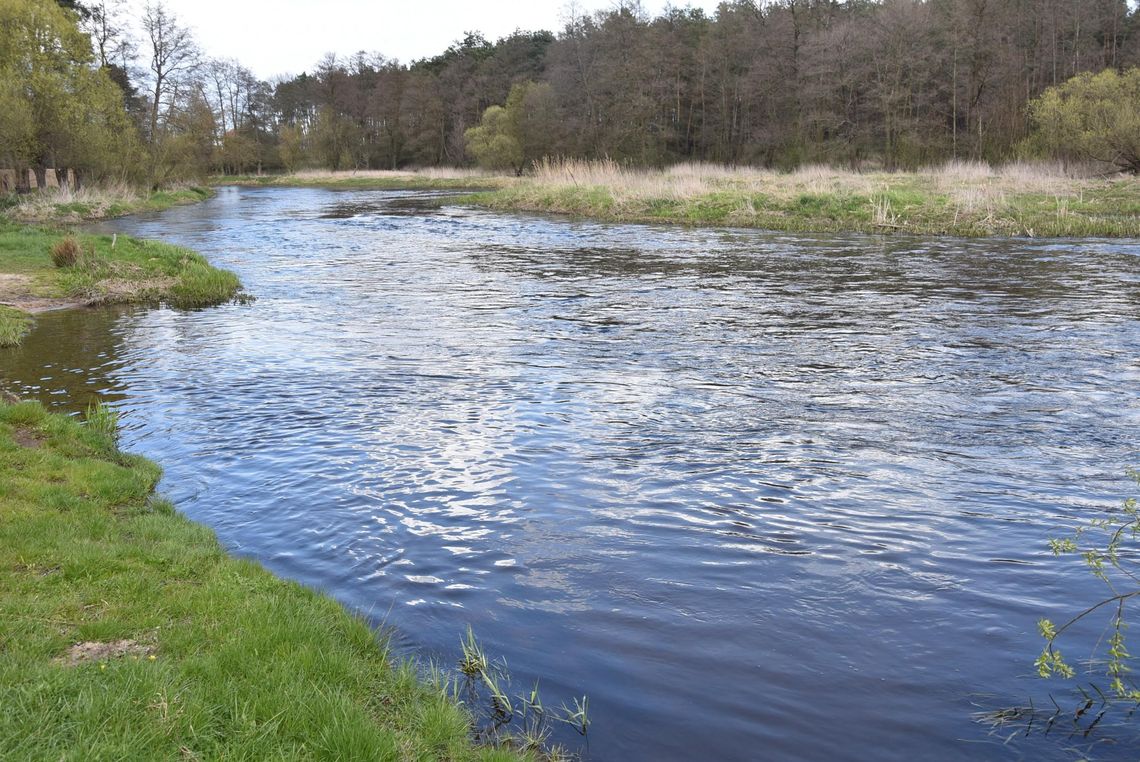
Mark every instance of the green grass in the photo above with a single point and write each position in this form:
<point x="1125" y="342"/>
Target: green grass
<point x="224" y="659"/>
<point x="142" y="271"/>
<point x="14" y="325"/>
<point x="111" y="270"/>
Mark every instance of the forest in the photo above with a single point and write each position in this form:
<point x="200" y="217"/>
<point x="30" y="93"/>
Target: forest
<point x="894" y="84"/>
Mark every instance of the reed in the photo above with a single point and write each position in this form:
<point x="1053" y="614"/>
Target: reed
<point x="14" y="326"/>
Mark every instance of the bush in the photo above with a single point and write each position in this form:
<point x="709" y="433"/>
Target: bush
<point x="1091" y="117"/>
<point x="65" y="253"/>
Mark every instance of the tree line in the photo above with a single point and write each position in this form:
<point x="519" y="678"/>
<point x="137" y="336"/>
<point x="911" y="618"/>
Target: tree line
<point x="894" y="83"/>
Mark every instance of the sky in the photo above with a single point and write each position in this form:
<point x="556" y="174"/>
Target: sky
<point x="278" y="37"/>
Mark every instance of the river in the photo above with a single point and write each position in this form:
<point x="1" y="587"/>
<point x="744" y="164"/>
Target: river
<point x="759" y="496"/>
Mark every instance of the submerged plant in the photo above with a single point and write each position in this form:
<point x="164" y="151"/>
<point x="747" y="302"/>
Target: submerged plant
<point x="474" y="661"/>
<point x="506" y="719"/>
<point x="579" y="717"/>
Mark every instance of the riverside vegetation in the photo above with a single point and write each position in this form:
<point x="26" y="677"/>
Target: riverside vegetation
<point x="1102" y="694"/>
<point x="957" y="198"/>
<point x="960" y="198"/>
<point x="127" y="631"/>
<point x="96" y="269"/>
<point x="105" y="270"/>
<point x="67" y="206"/>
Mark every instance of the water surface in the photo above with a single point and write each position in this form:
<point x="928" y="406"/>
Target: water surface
<point x="760" y="496"/>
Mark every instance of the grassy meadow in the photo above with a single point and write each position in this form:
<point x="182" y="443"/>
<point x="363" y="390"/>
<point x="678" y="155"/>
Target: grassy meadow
<point x="127" y="632"/>
<point x="960" y="198"/>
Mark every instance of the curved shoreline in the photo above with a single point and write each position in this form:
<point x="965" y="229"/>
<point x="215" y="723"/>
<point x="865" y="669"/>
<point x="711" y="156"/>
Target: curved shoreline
<point x="124" y="614"/>
<point x="109" y="270"/>
<point x="964" y="200"/>
<point x="129" y="631"/>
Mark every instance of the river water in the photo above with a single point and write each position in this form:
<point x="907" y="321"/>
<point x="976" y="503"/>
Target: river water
<point x="759" y="496"/>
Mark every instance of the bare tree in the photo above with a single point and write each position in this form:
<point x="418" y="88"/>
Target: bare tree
<point x="173" y="55"/>
<point x="104" y="22"/>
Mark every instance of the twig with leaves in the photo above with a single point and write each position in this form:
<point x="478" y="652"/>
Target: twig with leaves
<point x="1111" y="564"/>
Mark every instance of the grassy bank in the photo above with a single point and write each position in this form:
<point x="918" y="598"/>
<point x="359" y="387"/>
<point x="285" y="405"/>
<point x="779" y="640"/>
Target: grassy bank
<point x="424" y="179"/>
<point x="963" y="199"/>
<point x="107" y="270"/>
<point x="127" y="632"/>
<point x="67" y="207"/>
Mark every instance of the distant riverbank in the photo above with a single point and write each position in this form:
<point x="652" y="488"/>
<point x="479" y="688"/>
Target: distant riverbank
<point x="424" y="179"/>
<point x="970" y="200"/>
<point x="960" y="199"/>
<point x="68" y="207"/>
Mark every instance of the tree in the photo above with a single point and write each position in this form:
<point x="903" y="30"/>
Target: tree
<point x="105" y="25"/>
<point x="173" y="54"/>
<point x="493" y="143"/>
<point x="56" y="110"/>
<point x="335" y="139"/>
<point x="516" y="135"/>
<point x="291" y="147"/>
<point x="1092" y="116"/>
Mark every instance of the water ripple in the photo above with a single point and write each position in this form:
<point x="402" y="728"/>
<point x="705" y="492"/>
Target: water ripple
<point x="748" y="491"/>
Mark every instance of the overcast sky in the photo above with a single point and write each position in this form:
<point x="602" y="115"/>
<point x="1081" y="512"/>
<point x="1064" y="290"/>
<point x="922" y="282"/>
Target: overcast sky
<point x="273" y="37"/>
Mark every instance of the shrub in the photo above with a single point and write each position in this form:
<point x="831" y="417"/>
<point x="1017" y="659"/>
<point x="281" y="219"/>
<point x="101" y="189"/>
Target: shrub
<point x="65" y="253"/>
<point x="1091" y="117"/>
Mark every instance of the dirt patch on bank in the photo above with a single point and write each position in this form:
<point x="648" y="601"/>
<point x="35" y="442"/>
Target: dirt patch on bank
<point x="95" y="651"/>
<point x="28" y="438"/>
<point x="16" y="291"/>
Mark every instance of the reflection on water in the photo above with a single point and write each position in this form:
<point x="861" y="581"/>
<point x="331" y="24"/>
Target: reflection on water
<point x="759" y="496"/>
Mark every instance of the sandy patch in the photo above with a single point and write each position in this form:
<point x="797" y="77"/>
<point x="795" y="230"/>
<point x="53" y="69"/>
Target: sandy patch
<point x="95" y="651"/>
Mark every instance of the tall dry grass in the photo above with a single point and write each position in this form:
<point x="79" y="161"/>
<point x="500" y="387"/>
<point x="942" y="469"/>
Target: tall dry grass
<point x="678" y="182"/>
<point x="977" y="187"/>
<point x="971" y="185"/>
<point x="90" y="201"/>
<point x="686" y="181"/>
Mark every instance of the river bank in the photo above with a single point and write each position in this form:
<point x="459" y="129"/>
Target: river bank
<point x="67" y="207"/>
<point x="106" y="269"/>
<point x="964" y="199"/>
<point x="425" y="179"/>
<point x="127" y="631"/>
<point x="961" y="199"/>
